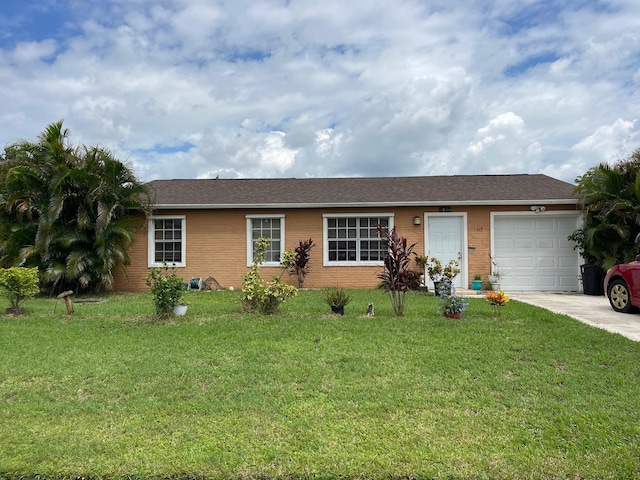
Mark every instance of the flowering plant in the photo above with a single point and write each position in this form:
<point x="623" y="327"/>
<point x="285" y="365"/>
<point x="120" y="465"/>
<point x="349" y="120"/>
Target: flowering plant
<point x="438" y="273"/>
<point x="449" y="302"/>
<point x="498" y="299"/>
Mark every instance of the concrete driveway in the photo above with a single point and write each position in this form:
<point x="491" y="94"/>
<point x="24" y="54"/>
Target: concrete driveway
<point x="590" y="309"/>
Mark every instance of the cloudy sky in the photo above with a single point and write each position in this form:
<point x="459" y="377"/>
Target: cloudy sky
<point x="296" y="88"/>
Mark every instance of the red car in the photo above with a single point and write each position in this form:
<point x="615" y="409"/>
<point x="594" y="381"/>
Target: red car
<point x="622" y="286"/>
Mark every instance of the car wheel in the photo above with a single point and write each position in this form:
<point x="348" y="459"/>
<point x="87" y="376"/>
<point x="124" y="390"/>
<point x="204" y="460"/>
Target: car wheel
<point x="619" y="296"/>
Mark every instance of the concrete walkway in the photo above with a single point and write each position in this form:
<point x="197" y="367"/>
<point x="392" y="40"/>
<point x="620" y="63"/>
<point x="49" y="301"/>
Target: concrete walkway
<point x="590" y="309"/>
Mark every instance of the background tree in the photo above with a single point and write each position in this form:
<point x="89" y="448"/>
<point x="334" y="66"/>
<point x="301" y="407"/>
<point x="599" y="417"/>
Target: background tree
<point x="610" y="197"/>
<point x="65" y="210"/>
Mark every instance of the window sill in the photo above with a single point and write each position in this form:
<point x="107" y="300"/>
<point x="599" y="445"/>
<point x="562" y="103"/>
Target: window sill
<point x="353" y="264"/>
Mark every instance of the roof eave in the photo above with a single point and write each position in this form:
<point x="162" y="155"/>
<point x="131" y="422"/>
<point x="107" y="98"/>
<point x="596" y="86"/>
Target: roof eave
<point x="238" y="206"/>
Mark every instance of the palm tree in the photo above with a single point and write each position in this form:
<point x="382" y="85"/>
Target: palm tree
<point x="610" y="197"/>
<point x="68" y="210"/>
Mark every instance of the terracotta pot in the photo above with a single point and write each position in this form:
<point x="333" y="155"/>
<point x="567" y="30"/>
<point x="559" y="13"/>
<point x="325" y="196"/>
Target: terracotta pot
<point x="456" y="315"/>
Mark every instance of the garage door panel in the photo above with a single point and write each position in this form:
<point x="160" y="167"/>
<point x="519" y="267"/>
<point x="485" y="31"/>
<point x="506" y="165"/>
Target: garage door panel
<point x="524" y="262"/>
<point x="504" y="244"/>
<point x="546" y="262"/>
<point x="567" y="282"/>
<point x="546" y="243"/>
<point x="535" y="253"/>
<point x="545" y="225"/>
<point x="568" y="262"/>
<point x="522" y="243"/>
<point x="523" y="226"/>
<point x="566" y="224"/>
<point x="524" y="280"/>
<point x="547" y="282"/>
<point x="504" y="226"/>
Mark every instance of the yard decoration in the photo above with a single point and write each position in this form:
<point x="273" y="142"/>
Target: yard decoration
<point x="167" y="289"/>
<point x="450" y="305"/>
<point x="18" y="284"/>
<point x="261" y="297"/>
<point x="395" y="277"/>
<point x="66" y="296"/>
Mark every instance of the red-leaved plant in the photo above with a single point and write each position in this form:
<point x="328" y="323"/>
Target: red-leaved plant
<point x="300" y="267"/>
<point x="395" y="277"/>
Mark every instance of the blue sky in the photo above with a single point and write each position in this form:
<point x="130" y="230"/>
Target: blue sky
<point x="275" y="88"/>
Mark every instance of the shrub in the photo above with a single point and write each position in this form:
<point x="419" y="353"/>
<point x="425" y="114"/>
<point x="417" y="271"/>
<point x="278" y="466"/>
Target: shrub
<point x="167" y="289"/>
<point x="18" y="284"/>
<point x="258" y="296"/>
<point x="395" y="277"/>
<point x="297" y="261"/>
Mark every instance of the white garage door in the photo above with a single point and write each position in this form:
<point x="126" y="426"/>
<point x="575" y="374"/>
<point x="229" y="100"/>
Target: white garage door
<point x="534" y="252"/>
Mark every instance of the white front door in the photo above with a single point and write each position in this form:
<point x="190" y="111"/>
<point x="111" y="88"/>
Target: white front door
<point x="445" y="233"/>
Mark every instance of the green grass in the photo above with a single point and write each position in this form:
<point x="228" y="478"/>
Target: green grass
<point x="111" y="393"/>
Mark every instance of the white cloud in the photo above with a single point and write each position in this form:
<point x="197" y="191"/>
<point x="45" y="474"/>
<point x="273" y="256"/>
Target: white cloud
<point x="278" y="88"/>
<point x="503" y="128"/>
<point x="328" y="143"/>
<point x="506" y="136"/>
<point x="27" y="52"/>
<point x="608" y="143"/>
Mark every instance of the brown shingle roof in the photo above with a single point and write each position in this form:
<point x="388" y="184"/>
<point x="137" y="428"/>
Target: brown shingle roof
<point x="363" y="191"/>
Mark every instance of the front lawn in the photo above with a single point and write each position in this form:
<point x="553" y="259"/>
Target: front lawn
<point x="111" y="393"/>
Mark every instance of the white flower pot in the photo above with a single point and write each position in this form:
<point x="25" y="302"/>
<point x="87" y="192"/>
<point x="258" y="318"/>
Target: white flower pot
<point x="180" y="310"/>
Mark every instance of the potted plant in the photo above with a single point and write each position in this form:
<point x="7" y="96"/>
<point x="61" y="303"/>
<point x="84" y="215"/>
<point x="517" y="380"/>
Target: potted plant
<point x="421" y="262"/>
<point x="450" y="305"/>
<point x="438" y="273"/>
<point x="476" y="283"/>
<point x="496" y="274"/>
<point x="167" y="289"/>
<point x="336" y="298"/>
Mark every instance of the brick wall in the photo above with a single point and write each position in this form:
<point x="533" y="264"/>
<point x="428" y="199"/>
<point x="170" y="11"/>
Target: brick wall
<point x="216" y="244"/>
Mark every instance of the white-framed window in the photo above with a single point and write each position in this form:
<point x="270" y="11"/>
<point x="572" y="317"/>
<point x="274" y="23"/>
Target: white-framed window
<point x="353" y="239"/>
<point x="266" y="226"/>
<point x="167" y="242"/>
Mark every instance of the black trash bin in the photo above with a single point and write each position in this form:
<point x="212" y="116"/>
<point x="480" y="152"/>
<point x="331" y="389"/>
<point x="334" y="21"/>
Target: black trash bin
<point x="591" y="280"/>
